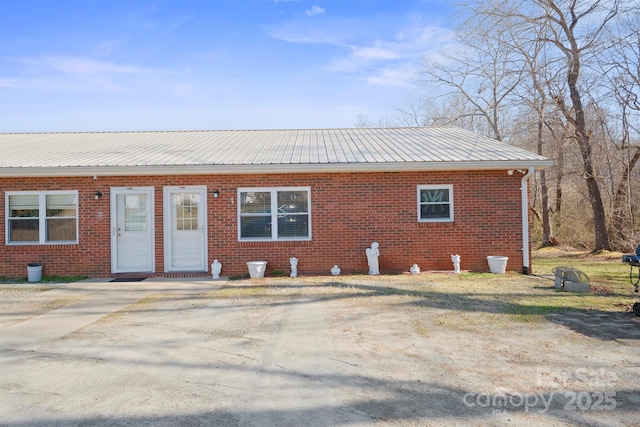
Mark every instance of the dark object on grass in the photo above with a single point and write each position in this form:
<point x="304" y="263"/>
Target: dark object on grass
<point x="634" y="261"/>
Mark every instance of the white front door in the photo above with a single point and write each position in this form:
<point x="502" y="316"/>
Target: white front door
<point x="132" y="242"/>
<point x="185" y="228"/>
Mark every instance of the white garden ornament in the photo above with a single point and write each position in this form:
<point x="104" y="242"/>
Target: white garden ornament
<point x="216" y="267"/>
<point x="372" y="258"/>
<point x="456" y="263"/>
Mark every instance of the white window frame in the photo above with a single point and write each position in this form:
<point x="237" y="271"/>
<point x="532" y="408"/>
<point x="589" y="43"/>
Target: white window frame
<point x="42" y="217"/>
<point x="449" y="188"/>
<point x="274" y="214"/>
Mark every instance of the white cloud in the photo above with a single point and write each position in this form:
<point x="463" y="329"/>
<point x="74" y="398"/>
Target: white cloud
<point x="315" y="10"/>
<point x="183" y="89"/>
<point x="30" y="83"/>
<point x="384" y="52"/>
<point x="87" y="67"/>
<point x="293" y="33"/>
<point x="403" y="77"/>
<point x="362" y="56"/>
<point x="373" y="53"/>
<point x="51" y="72"/>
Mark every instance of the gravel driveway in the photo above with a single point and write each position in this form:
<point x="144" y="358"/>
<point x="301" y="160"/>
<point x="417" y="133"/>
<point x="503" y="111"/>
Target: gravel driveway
<point x="354" y="350"/>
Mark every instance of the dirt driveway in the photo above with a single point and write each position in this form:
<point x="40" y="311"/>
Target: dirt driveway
<point x="352" y="350"/>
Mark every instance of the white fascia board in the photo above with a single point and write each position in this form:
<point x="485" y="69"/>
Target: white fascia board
<point x="270" y="168"/>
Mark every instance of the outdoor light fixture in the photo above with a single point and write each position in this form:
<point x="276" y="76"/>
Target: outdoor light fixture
<point x="511" y="171"/>
<point x="98" y="194"/>
<point x="216" y="194"/>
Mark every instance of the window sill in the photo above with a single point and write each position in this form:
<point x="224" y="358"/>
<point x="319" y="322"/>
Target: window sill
<point x="41" y="244"/>
<point x="263" y="243"/>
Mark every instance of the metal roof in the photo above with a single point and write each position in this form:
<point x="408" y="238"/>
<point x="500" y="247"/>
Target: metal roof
<point x="257" y="151"/>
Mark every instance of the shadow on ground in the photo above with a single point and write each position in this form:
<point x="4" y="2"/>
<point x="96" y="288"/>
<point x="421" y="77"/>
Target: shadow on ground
<point x="379" y="400"/>
<point x="405" y="402"/>
<point x="598" y="324"/>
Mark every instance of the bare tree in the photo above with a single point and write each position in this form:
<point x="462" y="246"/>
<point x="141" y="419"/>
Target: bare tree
<point x="574" y="42"/>
<point x="362" y="121"/>
<point x="621" y="65"/>
<point x="531" y="72"/>
<point x="568" y="32"/>
<point x="417" y="111"/>
<point x="532" y="94"/>
<point x="483" y="73"/>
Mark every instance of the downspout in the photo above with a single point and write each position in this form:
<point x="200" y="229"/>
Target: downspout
<point x="525" y="221"/>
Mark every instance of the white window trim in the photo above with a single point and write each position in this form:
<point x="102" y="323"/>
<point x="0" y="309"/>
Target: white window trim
<point x="42" y="216"/>
<point x="448" y="187"/>
<point x="274" y="212"/>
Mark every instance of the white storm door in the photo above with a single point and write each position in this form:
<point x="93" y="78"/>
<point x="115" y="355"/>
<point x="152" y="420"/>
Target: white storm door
<point x="132" y="242"/>
<point x="185" y="228"/>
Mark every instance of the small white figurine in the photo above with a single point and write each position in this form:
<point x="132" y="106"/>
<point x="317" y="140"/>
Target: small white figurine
<point x="456" y="263"/>
<point x="294" y="266"/>
<point x="414" y="269"/>
<point x="216" y="267"/>
<point x="335" y="270"/>
<point x="372" y="258"/>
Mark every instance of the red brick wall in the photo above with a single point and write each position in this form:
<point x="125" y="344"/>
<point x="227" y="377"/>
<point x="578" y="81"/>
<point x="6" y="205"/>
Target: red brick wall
<point x="349" y="211"/>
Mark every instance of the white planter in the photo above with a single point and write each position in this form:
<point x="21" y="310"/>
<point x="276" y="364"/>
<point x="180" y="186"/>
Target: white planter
<point x="256" y="269"/>
<point x="34" y="272"/>
<point x="497" y="264"/>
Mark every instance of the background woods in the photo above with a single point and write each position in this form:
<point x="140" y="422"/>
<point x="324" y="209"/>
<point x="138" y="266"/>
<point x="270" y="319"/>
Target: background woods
<point x="560" y="78"/>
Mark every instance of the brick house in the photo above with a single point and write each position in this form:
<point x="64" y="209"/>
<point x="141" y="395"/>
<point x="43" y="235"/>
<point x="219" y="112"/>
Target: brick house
<point x="169" y="203"/>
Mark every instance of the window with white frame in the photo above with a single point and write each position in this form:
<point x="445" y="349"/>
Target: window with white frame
<point x="41" y="217"/>
<point x="274" y="213"/>
<point x="435" y="203"/>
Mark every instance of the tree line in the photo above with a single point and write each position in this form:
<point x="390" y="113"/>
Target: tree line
<point x="560" y="78"/>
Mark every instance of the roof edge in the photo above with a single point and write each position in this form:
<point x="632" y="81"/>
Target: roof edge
<point x="270" y="168"/>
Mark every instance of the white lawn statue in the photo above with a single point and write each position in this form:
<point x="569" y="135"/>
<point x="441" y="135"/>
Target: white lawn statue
<point x="216" y="267"/>
<point x="294" y="266"/>
<point x="414" y="269"/>
<point x="335" y="270"/>
<point x="456" y="263"/>
<point x="372" y="258"/>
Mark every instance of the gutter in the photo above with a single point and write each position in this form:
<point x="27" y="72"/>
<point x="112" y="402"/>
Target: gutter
<point x="525" y="222"/>
<point x="236" y="169"/>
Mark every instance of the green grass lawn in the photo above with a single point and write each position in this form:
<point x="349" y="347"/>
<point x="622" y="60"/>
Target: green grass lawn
<point x="45" y="279"/>
<point x="516" y="296"/>
<point x="496" y="298"/>
<point x="611" y="289"/>
<point x="604" y="269"/>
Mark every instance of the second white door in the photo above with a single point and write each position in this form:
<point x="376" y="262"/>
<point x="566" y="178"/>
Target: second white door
<point x="185" y="228"/>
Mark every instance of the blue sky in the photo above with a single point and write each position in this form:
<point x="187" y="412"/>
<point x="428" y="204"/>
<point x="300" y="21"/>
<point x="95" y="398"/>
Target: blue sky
<point x="110" y="65"/>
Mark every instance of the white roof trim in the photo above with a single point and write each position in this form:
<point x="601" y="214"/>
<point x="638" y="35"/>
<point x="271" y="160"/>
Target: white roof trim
<point x="268" y="169"/>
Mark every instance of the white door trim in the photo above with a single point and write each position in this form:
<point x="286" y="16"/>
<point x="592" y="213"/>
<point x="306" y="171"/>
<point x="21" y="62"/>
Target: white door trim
<point x="201" y="249"/>
<point x="149" y="234"/>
